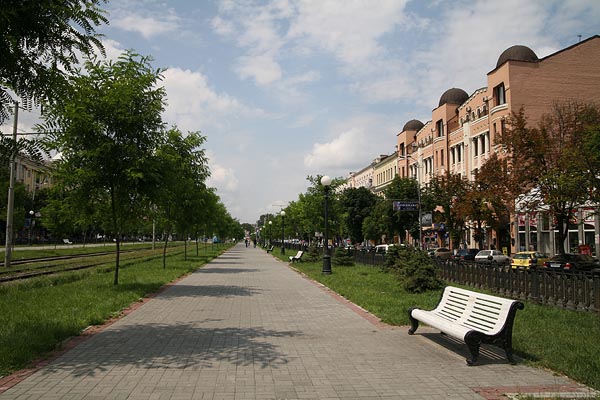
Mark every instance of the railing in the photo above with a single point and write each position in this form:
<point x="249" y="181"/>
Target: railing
<point x="578" y="291"/>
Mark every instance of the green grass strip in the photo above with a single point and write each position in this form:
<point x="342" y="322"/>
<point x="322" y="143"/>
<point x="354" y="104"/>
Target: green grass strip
<point x="38" y="314"/>
<point x="564" y="341"/>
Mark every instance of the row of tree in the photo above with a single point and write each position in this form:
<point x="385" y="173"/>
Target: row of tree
<point x="120" y="168"/>
<point x="552" y="166"/>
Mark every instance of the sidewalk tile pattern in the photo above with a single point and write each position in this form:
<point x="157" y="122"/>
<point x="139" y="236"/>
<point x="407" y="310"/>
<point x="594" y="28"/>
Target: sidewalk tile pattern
<point x="247" y="327"/>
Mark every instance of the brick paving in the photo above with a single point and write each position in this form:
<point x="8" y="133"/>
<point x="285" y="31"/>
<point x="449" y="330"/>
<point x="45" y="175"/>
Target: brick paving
<point x="248" y="327"/>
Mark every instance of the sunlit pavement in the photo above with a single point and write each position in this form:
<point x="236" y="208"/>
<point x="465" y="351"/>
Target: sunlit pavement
<point x="247" y="326"/>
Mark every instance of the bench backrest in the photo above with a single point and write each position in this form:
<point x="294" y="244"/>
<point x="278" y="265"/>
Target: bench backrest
<point x="478" y="311"/>
<point x="299" y="254"/>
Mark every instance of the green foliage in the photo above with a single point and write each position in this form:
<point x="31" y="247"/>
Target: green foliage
<point x="342" y="257"/>
<point x="107" y="126"/>
<point x="40" y="43"/>
<point x="414" y="268"/>
<point x="313" y="253"/>
<point x="356" y="205"/>
<point x="547" y="336"/>
<point x="37" y="315"/>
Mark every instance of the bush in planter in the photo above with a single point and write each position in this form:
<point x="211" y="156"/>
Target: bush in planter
<point x="342" y="257"/>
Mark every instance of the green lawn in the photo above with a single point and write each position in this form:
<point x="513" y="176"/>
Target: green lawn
<point x="38" y="314"/>
<point x="564" y="341"/>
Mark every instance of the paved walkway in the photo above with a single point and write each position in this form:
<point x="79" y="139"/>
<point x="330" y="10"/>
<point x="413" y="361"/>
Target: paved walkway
<point x="246" y="326"/>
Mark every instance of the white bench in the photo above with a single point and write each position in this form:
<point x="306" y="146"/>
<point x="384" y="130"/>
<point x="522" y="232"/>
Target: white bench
<point x="270" y="249"/>
<point x="67" y="241"/>
<point x="297" y="257"/>
<point x="473" y="317"/>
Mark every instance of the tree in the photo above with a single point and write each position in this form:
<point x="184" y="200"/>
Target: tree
<point x="401" y="221"/>
<point x="357" y="204"/>
<point x="545" y="167"/>
<point x="182" y="169"/>
<point x="107" y="127"/>
<point x="40" y="42"/>
<point x="446" y="191"/>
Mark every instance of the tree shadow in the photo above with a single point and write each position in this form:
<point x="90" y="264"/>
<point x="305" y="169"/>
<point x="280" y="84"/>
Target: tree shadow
<point x="220" y="261"/>
<point x="179" y="346"/>
<point x="182" y="290"/>
<point x="209" y="270"/>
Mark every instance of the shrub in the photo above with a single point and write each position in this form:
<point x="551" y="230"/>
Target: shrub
<point x="415" y="269"/>
<point x="342" y="257"/>
<point x="313" y="254"/>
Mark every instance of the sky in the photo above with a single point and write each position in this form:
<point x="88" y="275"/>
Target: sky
<point x="285" y="89"/>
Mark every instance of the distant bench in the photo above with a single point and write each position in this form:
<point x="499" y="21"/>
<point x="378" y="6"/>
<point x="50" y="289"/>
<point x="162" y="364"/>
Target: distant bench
<point x="472" y="317"/>
<point x="270" y="249"/>
<point x="297" y="257"/>
<point x="67" y="241"/>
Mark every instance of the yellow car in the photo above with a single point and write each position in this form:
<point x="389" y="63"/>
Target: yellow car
<point x="528" y="260"/>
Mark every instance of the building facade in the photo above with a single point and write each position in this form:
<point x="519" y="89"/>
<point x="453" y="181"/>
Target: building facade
<point x="461" y="134"/>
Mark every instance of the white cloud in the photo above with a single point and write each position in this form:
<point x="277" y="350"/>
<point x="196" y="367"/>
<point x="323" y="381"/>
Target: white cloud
<point x="193" y="104"/>
<point x="147" y="26"/>
<point x="263" y="69"/>
<point x="349" y="29"/>
<point x="223" y="178"/>
<point x="355" y="143"/>
<point x="113" y="49"/>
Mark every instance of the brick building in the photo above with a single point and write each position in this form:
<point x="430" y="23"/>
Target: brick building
<point x="460" y="136"/>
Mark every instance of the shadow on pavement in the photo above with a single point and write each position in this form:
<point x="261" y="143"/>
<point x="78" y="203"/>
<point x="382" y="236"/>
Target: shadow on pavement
<point x="181" y="290"/>
<point x="209" y="270"/>
<point x="180" y="346"/>
<point x="487" y="354"/>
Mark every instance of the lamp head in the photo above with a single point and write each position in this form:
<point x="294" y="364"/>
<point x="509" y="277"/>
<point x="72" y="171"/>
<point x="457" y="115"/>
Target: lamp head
<point x="282" y="213"/>
<point x="270" y="222"/>
<point x="325" y="180"/>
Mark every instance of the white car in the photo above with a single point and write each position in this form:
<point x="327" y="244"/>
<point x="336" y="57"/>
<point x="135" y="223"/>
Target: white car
<point x="492" y="257"/>
<point x="382" y="248"/>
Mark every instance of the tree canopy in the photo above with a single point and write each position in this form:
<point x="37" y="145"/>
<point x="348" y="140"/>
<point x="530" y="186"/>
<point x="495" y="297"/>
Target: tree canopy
<point x="40" y="42"/>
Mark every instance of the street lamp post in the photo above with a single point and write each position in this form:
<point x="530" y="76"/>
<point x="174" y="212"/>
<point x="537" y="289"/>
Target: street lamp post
<point x="282" y="232"/>
<point x="31" y="224"/>
<point x="270" y="224"/>
<point x="326" y="182"/>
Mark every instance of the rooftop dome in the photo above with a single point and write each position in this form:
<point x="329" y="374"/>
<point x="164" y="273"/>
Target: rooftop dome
<point x="517" y="53"/>
<point x="413" y="125"/>
<point x="453" y="96"/>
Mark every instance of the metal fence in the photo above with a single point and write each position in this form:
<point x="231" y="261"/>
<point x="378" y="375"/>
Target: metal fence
<point x="570" y="290"/>
<point x="578" y="291"/>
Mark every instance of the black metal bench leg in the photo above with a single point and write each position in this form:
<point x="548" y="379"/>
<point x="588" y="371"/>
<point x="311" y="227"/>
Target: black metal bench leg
<point x="413" y="322"/>
<point x="473" y="343"/>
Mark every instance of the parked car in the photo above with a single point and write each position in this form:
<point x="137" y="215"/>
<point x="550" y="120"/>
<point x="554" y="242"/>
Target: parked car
<point x="572" y="262"/>
<point x="465" y="254"/>
<point x="441" y="253"/>
<point x="492" y="257"/>
<point x="382" y="248"/>
<point x="528" y="260"/>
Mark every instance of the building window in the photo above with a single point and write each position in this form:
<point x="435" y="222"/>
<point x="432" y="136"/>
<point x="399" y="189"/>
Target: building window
<point x="439" y="127"/>
<point x="442" y="157"/>
<point x="475" y="147"/>
<point x="500" y="94"/>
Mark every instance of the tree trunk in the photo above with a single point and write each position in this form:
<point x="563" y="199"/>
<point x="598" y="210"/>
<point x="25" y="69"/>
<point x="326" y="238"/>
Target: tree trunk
<point x="167" y="233"/>
<point x="185" y="248"/>
<point x="118" y="258"/>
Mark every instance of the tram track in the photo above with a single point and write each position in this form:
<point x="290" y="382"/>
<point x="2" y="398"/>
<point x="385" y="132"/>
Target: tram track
<point x="7" y="276"/>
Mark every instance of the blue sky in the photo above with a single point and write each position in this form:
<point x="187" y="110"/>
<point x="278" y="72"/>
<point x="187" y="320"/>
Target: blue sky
<point x="286" y="89"/>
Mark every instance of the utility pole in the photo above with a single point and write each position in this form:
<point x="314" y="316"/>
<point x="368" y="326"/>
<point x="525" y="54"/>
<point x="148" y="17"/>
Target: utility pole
<point x="11" y="193"/>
